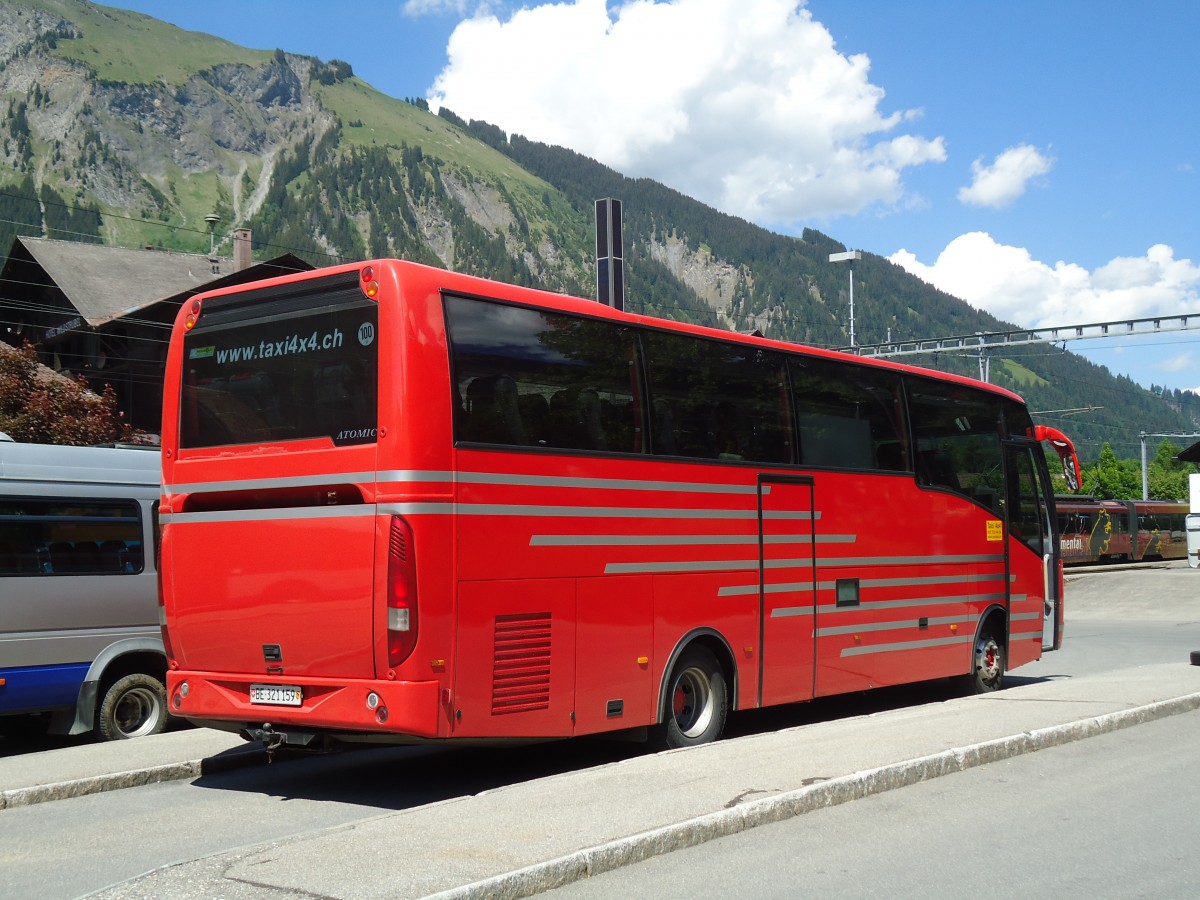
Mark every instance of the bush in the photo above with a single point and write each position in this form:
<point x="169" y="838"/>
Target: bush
<point x="37" y="406"/>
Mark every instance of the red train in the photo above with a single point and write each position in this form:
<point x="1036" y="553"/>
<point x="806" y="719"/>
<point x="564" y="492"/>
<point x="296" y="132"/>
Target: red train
<point x="1100" y="531"/>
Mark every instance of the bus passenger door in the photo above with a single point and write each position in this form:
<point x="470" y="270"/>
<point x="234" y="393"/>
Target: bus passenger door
<point x="787" y="589"/>
<point x="1032" y="554"/>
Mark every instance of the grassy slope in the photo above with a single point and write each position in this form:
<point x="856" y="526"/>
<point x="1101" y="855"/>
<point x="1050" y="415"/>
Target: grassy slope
<point x="114" y="45"/>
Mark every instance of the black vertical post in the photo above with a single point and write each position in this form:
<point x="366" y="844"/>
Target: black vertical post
<point x="610" y="262"/>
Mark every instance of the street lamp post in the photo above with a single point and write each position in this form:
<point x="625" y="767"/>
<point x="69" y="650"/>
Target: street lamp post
<point x="212" y="219"/>
<point x="849" y="256"/>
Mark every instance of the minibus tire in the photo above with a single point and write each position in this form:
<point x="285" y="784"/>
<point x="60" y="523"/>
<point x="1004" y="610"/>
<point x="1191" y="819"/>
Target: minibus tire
<point x="134" y="706"/>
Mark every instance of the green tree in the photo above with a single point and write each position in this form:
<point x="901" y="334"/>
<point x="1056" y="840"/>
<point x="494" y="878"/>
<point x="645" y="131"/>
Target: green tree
<point x="39" y="407"/>
<point x="1167" y="477"/>
<point x="1111" y="478"/>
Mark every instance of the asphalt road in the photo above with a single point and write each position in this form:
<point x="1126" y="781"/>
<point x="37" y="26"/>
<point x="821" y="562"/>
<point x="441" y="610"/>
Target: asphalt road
<point x="1115" y="620"/>
<point x="1113" y="816"/>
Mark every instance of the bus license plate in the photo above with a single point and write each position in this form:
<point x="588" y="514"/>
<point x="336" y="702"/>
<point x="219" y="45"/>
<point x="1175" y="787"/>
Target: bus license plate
<point x="276" y="694"/>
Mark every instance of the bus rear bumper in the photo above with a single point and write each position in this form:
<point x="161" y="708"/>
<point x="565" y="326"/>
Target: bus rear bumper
<point x="327" y="706"/>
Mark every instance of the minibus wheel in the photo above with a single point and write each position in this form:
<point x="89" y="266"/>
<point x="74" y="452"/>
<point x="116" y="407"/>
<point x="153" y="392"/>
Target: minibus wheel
<point x="134" y="706"/>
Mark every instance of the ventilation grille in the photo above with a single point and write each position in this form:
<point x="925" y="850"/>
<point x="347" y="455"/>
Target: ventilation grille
<point x="521" y="665"/>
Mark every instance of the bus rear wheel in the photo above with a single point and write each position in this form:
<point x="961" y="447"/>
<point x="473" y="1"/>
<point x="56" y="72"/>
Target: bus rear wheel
<point x="135" y="706"/>
<point x="987" y="668"/>
<point x="697" y="702"/>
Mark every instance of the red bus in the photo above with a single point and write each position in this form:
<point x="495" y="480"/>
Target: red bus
<point x="404" y="504"/>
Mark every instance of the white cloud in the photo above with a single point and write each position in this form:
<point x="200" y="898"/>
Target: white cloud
<point x="417" y="8"/>
<point x="1180" y="362"/>
<point x="1013" y="286"/>
<point x="743" y="104"/>
<point x="1007" y="178"/>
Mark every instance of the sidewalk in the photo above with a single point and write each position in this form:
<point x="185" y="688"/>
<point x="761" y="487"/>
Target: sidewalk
<point x="89" y="768"/>
<point x="530" y="837"/>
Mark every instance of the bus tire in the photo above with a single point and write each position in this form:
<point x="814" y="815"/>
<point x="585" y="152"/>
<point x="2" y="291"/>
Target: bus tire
<point x="987" y="665"/>
<point x="134" y="706"/>
<point x="697" y="702"/>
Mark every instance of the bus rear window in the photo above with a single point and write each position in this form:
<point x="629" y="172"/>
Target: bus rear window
<point x="269" y="371"/>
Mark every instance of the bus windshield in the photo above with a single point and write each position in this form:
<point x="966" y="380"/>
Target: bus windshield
<point x="273" y="372"/>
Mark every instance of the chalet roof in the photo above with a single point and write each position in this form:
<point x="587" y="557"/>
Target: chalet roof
<point x="1191" y="454"/>
<point x="105" y="283"/>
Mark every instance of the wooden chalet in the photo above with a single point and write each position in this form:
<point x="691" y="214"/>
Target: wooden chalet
<point x="106" y="312"/>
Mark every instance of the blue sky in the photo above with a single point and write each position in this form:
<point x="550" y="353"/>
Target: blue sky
<point x="1039" y="160"/>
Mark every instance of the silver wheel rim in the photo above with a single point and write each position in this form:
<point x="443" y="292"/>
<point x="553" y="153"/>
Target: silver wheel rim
<point x="137" y="712"/>
<point x="692" y="702"/>
<point x="989" y="660"/>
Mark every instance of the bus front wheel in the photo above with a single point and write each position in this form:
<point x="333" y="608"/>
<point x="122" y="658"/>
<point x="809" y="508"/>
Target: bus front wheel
<point x="134" y="706"/>
<point x="987" y="668"/>
<point x="697" y="702"/>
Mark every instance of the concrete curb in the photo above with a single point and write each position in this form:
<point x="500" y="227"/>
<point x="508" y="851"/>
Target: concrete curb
<point x="113" y="781"/>
<point x="592" y="861"/>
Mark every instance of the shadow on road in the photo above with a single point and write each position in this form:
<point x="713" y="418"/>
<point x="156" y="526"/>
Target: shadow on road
<point x="396" y="778"/>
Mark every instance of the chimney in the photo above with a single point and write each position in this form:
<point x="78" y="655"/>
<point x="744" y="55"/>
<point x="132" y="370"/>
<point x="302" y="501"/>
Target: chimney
<point x="242" y="258"/>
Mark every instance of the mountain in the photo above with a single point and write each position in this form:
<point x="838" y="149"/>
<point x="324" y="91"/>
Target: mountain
<point x="125" y="129"/>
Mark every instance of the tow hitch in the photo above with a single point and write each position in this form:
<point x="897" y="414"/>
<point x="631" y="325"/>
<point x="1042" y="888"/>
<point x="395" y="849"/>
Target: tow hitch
<point x="272" y="740"/>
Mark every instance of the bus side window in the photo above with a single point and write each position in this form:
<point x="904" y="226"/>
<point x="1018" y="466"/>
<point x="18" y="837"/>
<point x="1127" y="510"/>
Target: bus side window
<point x="574" y="381"/>
<point x="575" y="420"/>
<point x="664" y="428"/>
<point x="535" y="416"/>
<point x="713" y="400"/>
<point x="957" y="436"/>
<point x="494" y="414"/>
<point x="848" y="416"/>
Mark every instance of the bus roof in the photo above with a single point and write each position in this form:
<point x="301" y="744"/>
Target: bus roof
<point x="496" y="290"/>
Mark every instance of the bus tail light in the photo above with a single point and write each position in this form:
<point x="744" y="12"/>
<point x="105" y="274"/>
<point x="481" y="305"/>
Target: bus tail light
<point x="368" y="283"/>
<point x="401" y="593"/>
<point x="193" y="315"/>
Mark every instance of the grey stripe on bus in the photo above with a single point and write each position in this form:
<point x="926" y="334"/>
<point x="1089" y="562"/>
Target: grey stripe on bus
<point x="908" y="645"/>
<point x="509" y="479"/>
<point x="663" y="568"/>
<point x="266" y="515"/>
<point x="259" y="484"/>
<point x="416" y="476"/>
<point x="446" y="508"/>
<point x="878" y="605"/>
<point x="865" y="583"/>
<point x="581" y="512"/>
<point x="499" y="478"/>
<point x="1026" y="617"/>
<point x="807" y="561"/>
<point x="680" y="540"/>
<point x="894" y="625"/>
